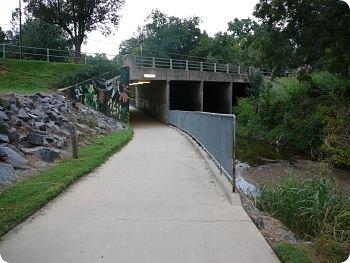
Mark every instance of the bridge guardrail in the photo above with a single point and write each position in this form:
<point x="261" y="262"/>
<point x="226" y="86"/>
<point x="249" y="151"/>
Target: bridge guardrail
<point x="169" y="63"/>
<point x="215" y="132"/>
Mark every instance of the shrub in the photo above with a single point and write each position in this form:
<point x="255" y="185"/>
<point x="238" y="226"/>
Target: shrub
<point x="312" y="117"/>
<point x="313" y="208"/>
<point x="289" y="253"/>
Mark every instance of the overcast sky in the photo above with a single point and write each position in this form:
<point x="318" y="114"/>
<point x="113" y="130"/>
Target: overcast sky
<point x="214" y="15"/>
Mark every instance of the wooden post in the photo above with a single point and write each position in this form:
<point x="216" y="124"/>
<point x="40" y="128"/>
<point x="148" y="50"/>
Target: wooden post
<point x="73" y="136"/>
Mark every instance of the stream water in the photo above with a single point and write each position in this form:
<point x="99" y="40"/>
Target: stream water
<point x="259" y="163"/>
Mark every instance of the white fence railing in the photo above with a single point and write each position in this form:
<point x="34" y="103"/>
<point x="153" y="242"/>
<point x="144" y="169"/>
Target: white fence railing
<point x="11" y="51"/>
<point x="169" y="63"/>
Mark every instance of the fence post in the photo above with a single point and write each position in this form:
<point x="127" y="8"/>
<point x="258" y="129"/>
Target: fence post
<point x="74" y="142"/>
<point x="171" y="63"/>
<point x="227" y="68"/>
<point x="85" y="60"/>
<point x="186" y="64"/>
<point x="201" y="69"/>
<point x="214" y="67"/>
<point x="3" y="50"/>
<point x="47" y="55"/>
<point x="239" y="70"/>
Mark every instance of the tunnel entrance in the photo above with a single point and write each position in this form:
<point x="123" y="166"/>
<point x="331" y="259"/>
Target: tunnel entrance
<point x="217" y="97"/>
<point x="238" y="91"/>
<point x="185" y="95"/>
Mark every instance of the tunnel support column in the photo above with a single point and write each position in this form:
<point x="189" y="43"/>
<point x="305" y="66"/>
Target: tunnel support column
<point x="201" y="87"/>
<point x="167" y="100"/>
<point x="230" y="92"/>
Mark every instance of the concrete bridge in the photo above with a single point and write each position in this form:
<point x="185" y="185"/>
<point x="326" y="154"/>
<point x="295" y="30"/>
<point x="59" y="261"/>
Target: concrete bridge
<point x="164" y="84"/>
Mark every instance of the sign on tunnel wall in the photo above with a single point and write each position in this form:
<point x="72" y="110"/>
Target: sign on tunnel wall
<point x="108" y="93"/>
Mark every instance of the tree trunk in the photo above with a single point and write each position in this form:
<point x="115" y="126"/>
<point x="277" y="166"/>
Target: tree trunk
<point x="77" y="53"/>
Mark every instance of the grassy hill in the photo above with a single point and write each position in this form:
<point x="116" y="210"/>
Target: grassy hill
<point x="26" y="76"/>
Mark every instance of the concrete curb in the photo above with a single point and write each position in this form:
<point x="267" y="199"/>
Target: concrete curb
<point x="219" y="177"/>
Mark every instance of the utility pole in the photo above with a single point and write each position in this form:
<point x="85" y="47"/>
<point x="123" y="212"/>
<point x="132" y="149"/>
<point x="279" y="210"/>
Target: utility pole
<point x="20" y="28"/>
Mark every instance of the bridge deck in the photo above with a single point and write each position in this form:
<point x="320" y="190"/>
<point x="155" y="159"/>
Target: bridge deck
<point x="155" y="201"/>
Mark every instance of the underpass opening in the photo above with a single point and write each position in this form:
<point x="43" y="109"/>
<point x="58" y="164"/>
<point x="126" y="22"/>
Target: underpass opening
<point x="152" y="98"/>
<point x="239" y="90"/>
<point x="185" y="95"/>
<point x="217" y="97"/>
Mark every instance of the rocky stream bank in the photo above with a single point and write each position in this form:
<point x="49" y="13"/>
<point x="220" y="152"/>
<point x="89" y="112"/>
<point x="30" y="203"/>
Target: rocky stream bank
<point x="35" y="131"/>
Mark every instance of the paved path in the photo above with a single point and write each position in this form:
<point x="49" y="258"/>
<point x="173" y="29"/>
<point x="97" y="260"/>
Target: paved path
<point x="155" y="201"/>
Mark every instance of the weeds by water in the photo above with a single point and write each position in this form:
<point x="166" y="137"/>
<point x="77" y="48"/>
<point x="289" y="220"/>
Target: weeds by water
<point x="314" y="209"/>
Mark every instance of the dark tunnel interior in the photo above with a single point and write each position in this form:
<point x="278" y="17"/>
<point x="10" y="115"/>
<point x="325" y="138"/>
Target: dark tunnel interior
<point x="185" y="95"/>
<point x="216" y="97"/>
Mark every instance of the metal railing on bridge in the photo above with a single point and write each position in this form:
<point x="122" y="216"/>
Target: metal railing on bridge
<point x="169" y="63"/>
<point x="215" y="132"/>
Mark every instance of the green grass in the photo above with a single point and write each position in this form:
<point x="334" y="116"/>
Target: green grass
<point x="30" y="76"/>
<point x="314" y="209"/>
<point x="24" y="198"/>
<point x="289" y="253"/>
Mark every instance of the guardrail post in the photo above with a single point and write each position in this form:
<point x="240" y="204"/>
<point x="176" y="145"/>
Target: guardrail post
<point x="171" y="63"/>
<point x="239" y="70"/>
<point x="153" y="62"/>
<point x="48" y="55"/>
<point x="214" y="67"/>
<point x="3" y="51"/>
<point x="186" y="64"/>
<point x="227" y="68"/>
<point x="201" y="69"/>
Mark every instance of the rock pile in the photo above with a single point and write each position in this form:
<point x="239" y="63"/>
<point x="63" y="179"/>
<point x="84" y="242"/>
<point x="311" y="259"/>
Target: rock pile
<point x="34" y="130"/>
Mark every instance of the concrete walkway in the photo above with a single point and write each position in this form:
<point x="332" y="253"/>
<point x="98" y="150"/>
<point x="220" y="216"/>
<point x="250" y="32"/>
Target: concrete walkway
<point x="155" y="201"/>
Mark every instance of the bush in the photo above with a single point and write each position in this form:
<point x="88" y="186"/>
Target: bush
<point x="86" y="73"/>
<point x="289" y="253"/>
<point x="312" y="117"/>
<point x="313" y="208"/>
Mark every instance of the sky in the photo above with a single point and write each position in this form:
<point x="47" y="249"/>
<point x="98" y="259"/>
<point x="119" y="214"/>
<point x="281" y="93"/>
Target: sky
<point x="214" y="15"/>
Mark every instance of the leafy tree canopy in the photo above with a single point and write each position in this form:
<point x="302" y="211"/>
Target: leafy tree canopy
<point x="77" y="17"/>
<point x="317" y="31"/>
<point x="166" y="34"/>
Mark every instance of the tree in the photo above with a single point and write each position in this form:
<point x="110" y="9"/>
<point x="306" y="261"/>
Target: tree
<point x="2" y="36"/>
<point x="164" y="34"/>
<point x="317" y="31"/>
<point x="77" y="17"/>
<point x="37" y="33"/>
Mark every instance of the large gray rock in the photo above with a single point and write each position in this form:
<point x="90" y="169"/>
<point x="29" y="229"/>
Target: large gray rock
<point x="4" y="127"/>
<point x="14" y="108"/>
<point x="23" y="115"/>
<point x="14" y="158"/>
<point x="4" y="138"/>
<point x="40" y="125"/>
<point x="3" y="153"/>
<point x="53" y="116"/>
<point x="14" y="136"/>
<point x="4" y="116"/>
<point x="44" y="153"/>
<point x="7" y="174"/>
<point x="35" y="139"/>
